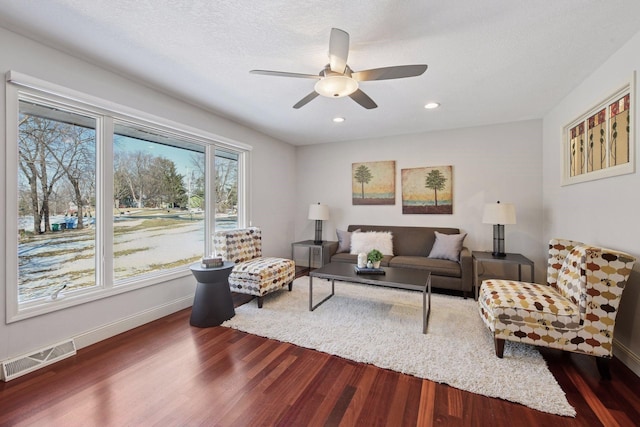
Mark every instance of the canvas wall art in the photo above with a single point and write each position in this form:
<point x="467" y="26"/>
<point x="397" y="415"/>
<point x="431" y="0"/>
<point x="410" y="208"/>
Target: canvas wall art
<point x="373" y="183"/>
<point x="427" y="190"/>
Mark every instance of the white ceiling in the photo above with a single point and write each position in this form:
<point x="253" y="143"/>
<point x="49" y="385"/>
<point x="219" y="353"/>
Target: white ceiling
<point x="490" y="61"/>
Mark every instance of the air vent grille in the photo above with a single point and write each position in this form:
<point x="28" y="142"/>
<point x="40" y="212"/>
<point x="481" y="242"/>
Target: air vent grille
<point x="22" y="365"/>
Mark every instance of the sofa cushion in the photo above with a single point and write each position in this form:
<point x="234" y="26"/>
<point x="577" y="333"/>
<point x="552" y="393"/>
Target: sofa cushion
<point x="438" y="267"/>
<point x="530" y="304"/>
<point x="365" y="242"/>
<point x="447" y="246"/>
<point x="260" y="276"/>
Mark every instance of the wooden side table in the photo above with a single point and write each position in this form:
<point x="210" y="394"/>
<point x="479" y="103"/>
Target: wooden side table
<point x="212" y="303"/>
<point x="482" y="257"/>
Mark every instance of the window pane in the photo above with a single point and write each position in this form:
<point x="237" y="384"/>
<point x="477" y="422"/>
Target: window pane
<point x="158" y="202"/>
<point x="226" y="166"/>
<point x="576" y="156"/>
<point x="619" y="139"/>
<point x="597" y="148"/>
<point x="56" y="201"/>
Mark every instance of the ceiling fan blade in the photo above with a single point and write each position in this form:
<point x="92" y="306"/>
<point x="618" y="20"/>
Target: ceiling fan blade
<point x="388" y="73"/>
<point x="285" y="74"/>
<point x="338" y="50"/>
<point x="363" y="99"/>
<point x="306" y="100"/>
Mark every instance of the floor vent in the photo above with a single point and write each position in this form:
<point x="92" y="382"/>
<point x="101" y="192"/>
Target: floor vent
<point x="19" y="366"/>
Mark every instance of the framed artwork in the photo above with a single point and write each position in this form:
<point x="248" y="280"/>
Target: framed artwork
<point x="600" y="143"/>
<point x="427" y="190"/>
<point x="373" y="183"/>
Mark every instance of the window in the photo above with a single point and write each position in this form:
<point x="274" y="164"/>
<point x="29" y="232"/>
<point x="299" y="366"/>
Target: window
<point x="599" y="144"/>
<point x="56" y="192"/>
<point x="159" y="201"/>
<point x="226" y="167"/>
<point x="102" y="199"/>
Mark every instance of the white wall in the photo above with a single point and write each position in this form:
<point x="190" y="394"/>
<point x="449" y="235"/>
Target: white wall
<point x="603" y="212"/>
<point x="490" y="163"/>
<point x="272" y="197"/>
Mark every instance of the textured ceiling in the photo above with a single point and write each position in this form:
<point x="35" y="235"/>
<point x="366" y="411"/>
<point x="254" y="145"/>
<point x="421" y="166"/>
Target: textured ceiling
<point x="490" y="61"/>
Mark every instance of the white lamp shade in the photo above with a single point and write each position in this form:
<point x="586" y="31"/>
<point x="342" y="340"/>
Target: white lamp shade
<point x="499" y="213"/>
<point x="318" y="211"/>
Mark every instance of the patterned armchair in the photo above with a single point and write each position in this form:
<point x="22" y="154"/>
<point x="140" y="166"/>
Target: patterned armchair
<point x="253" y="274"/>
<point x="575" y="311"/>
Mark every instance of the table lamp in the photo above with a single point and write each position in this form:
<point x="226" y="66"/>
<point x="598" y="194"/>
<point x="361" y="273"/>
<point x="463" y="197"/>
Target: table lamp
<point x="318" y="213"/>
<point x="499" y="214"/>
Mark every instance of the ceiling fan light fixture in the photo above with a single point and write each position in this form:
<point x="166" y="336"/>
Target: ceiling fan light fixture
<point x="336" y="86"/>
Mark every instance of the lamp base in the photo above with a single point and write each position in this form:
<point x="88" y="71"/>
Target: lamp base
<point x="318" y="237"/>
<point x="498" y="241"/>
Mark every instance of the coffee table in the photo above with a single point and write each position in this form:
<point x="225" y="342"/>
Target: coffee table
<point x="401" y="278"/>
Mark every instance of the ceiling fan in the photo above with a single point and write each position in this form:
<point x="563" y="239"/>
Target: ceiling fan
<point x="337" y="79"/>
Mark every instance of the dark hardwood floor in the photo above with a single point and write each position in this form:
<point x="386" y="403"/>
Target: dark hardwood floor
<point x="167" y="373"/>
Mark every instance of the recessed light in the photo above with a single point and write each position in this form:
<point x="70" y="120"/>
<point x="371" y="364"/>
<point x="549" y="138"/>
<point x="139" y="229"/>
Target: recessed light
<point x="338" y="119"/>
<point x="431" y="105"/>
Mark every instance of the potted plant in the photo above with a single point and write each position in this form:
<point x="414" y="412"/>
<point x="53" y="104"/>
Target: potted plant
<point x="375" y="256"/>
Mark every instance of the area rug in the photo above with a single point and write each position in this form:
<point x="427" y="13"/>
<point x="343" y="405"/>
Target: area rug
<point x="383" y="327"/>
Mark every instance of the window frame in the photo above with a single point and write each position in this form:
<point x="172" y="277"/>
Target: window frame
<point x="23" y="87"/>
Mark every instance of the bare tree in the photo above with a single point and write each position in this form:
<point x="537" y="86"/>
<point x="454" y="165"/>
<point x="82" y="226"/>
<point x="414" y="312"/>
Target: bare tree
<point x="226" y="184"/>
<point x="75" y="153"/>
<point x="196" y="181"/>
<point x="131" y="171"/>
<point x="37" y="166"/>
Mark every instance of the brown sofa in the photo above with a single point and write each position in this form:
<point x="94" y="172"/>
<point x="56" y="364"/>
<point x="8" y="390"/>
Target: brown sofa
<point x="411" y="248"/>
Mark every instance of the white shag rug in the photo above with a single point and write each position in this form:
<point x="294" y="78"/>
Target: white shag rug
<point x="383" y="327"/>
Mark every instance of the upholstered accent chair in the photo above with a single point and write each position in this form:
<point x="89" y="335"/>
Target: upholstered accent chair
<point x="575" y="311"/>
<point x="252" y="274"/>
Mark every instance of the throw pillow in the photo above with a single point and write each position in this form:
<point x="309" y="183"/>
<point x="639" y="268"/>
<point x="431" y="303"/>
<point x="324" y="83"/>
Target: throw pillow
<point x="447" y="246"/>
<point x="365" y="242"/>
<point x="344" y="240"/>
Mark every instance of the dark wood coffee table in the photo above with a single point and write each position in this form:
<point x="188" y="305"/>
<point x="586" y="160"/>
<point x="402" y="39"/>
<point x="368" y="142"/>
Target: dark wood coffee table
<point x="401" y="278"/>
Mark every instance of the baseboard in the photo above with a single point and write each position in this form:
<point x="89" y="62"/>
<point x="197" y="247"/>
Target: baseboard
<point x="626" y="356"/>
<point x="112" y="329"/>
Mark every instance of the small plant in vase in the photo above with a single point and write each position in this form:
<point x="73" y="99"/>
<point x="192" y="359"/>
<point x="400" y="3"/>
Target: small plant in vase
<point x="375" y="256"/>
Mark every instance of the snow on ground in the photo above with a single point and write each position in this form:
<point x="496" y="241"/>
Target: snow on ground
<point x="68" y="257"/>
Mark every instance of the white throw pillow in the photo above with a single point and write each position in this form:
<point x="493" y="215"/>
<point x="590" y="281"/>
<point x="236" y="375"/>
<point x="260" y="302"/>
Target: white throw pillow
<point x="365" y="242"/>
<point x="447" y="246"/>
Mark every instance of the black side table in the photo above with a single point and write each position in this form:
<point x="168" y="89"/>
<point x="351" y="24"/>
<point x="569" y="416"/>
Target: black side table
<point x="212" y="303"/>
<point x="481" y="257"/>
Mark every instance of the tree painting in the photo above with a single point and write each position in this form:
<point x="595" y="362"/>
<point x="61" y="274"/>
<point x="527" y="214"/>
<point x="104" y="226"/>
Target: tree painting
<point x="435" y="181"/>
<point x="363" y="176"/>
<point x="427" y="190"/>
<point x="373" y="183"/>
